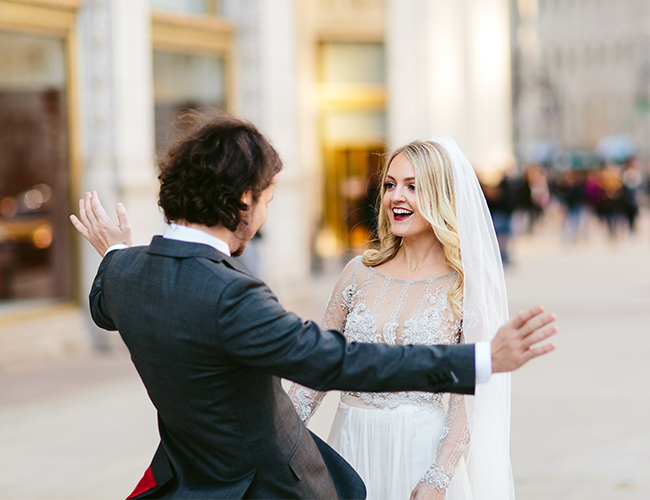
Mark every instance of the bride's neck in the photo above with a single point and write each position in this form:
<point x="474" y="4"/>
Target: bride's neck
<point x="416" y="253"/>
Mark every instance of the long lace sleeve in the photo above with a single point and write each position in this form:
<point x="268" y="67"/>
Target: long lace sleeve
<point x="305" y="400"/>
<point x="453" y="441"/>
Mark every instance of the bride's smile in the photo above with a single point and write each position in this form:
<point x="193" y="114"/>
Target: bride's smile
<point x="400" y="199"/>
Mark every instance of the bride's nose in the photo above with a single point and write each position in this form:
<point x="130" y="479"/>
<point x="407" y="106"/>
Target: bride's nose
<point x="397" y="195"/>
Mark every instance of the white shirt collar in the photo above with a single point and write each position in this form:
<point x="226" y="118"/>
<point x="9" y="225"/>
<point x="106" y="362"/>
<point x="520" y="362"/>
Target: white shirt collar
<point x="192" y="235"/>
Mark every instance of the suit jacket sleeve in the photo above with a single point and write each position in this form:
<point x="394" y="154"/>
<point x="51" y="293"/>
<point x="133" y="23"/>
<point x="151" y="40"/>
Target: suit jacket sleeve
<point x="258" y="332"/>
<point x="98" y="308"/>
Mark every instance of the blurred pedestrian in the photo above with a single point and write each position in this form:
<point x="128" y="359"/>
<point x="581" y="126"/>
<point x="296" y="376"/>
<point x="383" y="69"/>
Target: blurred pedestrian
<point x="611" y="181"/>
<point x="570" y="192"/>
<point x="631" y="190"/>
<point x="500" y="203"/>
<point x="594" y="193"/>
<point x="540" y="195"/>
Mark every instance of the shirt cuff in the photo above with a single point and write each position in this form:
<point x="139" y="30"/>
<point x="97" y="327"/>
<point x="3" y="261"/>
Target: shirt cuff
<point x="117" y="246"/>
<point x="483" y="362"/>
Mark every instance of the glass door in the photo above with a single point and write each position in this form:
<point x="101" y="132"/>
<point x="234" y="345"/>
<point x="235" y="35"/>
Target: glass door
<point x="35" y="233"/>
<point x="353" y="133"/>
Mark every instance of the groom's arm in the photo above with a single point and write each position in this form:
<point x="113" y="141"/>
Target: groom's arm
<point x="258" y="332"/>
<point x="98" y="309"/>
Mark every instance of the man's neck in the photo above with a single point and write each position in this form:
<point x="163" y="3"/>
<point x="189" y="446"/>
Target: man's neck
<point x="220" y="232"/>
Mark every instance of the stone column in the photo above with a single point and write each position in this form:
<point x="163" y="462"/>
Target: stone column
<point x="489" y="84"/>
<point x="117" y="120"/>
<point x="449" y="73"/>
<point x="266" y="91"/>
<point x="134" y="115"/>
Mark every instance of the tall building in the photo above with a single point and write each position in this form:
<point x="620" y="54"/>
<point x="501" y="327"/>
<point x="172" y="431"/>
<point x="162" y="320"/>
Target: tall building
<point x="582" y="72"/>
<point x="90" y="89"/>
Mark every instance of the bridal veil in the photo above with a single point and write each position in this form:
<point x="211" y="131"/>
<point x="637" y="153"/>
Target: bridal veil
<point x="485" y="309"/>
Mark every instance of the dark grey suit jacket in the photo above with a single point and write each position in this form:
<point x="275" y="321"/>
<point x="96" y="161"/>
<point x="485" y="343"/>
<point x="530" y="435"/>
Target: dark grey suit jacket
<point x="211" y="343"/>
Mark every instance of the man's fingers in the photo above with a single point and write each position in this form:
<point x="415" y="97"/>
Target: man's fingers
<point x="524" y="316"/>
<point x="536" y="323"/>
<point x="517" y="342"/>
<point x="83" y="217"/>
<point x="88" y="218"/>
<point x="540" y="335"/>
<point x="79" y="226"/>
<point x="122" y="217"/>
<point x="534" y="352"/>
<point x="98" y="209"/>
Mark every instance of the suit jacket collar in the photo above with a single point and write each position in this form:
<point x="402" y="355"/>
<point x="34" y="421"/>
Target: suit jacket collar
<point x="185" y="250"/>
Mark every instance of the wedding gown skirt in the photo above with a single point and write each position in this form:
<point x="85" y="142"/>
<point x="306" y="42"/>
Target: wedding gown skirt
<point x="391" y="449"/>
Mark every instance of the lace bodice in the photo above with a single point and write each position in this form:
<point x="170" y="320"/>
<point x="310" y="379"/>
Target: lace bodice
<point x="367" y="306"/>
<point x="377" y="308"/>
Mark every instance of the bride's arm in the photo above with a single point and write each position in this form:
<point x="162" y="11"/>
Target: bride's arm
<point x="453" y="441"/>
<point x="455" y="438"/>
<point x="304" y="399"/>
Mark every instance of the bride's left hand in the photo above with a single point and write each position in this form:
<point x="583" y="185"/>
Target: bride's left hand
<point x="422" y="492"/>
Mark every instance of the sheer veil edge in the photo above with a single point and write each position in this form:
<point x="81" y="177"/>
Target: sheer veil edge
<point x="485" y="309"/>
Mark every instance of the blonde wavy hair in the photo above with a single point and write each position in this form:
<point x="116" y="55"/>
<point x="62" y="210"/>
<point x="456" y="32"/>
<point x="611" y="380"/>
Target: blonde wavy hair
<point x="434" y="188"/>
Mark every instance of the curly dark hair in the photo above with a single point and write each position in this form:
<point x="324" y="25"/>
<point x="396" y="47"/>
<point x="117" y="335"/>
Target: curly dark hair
<point x="205" y="171"/>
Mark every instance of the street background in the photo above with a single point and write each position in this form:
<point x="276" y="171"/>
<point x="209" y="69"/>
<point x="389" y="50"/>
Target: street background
<point x="84" y="428"/>
<point x="549" y="101"/>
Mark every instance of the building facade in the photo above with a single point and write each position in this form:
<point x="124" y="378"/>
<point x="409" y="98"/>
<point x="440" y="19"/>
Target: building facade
<point x="90" y="89"/>
<point x="582" y="72"/>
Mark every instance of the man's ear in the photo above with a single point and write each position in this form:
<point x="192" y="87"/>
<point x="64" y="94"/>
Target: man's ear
<point x="247" y="198"/>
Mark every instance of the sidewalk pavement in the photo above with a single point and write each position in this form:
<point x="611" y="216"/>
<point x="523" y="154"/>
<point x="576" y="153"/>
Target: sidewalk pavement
<point x="85" y="429"/>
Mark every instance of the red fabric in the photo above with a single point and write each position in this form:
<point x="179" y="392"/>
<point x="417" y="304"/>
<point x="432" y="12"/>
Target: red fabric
<point x="146" y="483"/>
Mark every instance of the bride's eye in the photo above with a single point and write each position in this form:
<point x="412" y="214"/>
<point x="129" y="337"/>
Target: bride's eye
<point x="412" y="187"/>
<point x="389" y="185"/>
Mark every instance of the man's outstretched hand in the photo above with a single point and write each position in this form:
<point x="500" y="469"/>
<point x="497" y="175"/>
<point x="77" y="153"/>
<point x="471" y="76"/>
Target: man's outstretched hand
<point x="95" y="225"/>
<point x="517" y="342"/>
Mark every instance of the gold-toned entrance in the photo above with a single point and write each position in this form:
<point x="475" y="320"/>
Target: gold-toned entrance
<point x="352" y="100"/>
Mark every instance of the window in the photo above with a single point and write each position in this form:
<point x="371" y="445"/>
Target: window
<point x="35" y="233"/>
<point x="353" y="63"/>
<point x="185" y="81"/>
<point x="192" y="58"/>
<point x="201" y="7"/>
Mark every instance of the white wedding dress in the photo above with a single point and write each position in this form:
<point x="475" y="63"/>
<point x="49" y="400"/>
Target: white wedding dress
<point x="396" y="440"/>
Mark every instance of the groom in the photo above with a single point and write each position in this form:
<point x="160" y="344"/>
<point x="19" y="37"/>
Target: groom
<point x="211" y="342"/>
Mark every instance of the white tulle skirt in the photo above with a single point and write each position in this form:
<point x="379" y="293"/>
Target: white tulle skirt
<point x="391" y="449"/>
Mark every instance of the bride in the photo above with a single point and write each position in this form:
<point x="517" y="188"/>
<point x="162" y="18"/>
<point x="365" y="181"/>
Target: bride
<point x="435" y="279"/>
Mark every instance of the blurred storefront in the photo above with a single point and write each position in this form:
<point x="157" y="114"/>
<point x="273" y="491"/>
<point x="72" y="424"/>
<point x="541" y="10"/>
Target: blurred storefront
<point x="39" y="171"/>
<point x="35" y="249"/>
<point x="90" y="90"/>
